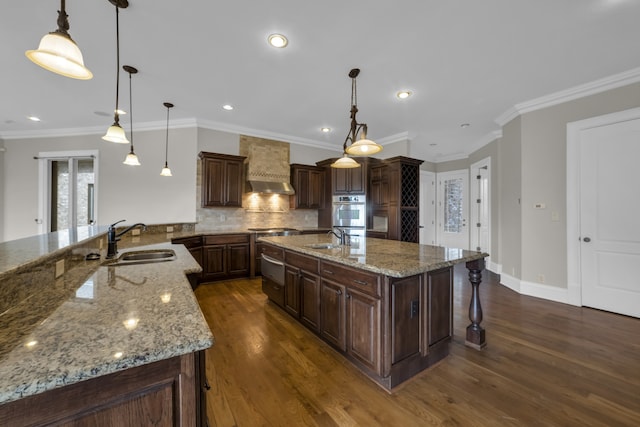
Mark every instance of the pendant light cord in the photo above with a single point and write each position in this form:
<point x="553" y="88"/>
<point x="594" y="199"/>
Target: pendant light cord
<point x="131" y="110"/>
<point x="166" y="143"/>
<point x="116" y="115"/>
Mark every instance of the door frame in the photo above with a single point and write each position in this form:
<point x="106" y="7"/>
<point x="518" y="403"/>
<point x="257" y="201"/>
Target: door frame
<point x="428" y="210"/>
<point x="440" y="199"/>
<point x="473" y="195"/>
<point x="44" y="170"/>
<point x="574" y="130"/>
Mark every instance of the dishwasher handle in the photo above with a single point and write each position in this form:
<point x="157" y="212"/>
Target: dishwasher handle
<point x="272" y="260"/>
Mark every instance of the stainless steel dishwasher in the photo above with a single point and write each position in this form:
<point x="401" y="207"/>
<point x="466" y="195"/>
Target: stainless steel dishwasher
<point x="273" y="279"/>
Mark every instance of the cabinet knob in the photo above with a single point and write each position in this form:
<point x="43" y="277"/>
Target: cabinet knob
<point x="339" y="292"/>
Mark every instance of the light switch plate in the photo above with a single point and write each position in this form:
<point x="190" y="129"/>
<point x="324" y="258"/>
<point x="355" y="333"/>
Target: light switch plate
<point x="59" y="268"/>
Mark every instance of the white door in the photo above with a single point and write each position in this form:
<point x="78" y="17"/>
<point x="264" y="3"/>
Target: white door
<point x="609" y="217"/>
<point x="453" y="209"/>
<point x="427" y="208"/>
<point x="480" y="197"/>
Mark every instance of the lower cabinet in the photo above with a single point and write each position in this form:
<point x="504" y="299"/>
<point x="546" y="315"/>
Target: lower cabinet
<point x="333" y="326"/>
<point x="168" y="392"/>
<point x="225" y="256"/>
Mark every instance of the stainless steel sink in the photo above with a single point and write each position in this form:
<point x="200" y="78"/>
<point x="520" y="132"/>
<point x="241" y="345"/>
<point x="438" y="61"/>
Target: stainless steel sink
<point x="143" y="257"/>
<point x="322" y="245"/>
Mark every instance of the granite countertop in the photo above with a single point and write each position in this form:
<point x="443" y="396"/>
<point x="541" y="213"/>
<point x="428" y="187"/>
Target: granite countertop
<point x="94" y="320"/>
<point x="389" y="257"/>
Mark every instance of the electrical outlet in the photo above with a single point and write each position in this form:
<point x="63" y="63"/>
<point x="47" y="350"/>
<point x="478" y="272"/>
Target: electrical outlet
<point x="169" y="229"/>
<point x="415" y="308"/>
<point x="555" y="216"/>
<point x="59" y="268"/>
<point x="135" y="232"/>
<point x="541" y="278"/>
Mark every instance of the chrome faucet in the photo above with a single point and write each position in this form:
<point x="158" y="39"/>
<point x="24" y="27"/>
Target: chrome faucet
<point x="343" y="237"/>
<point x="113" y="238"/>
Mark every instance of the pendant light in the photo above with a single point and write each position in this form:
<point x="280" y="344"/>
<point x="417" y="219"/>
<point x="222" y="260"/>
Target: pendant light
<point x="352" y="145"/>
<point x="165" y="170"/>
<point x="131" y="159"/>
<point x="115" y="133"/>
<point x="58" y="52"/>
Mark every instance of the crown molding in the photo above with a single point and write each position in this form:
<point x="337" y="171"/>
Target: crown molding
<point x="485" y="140"/>
<point x="392" y="139"/>
<point x="95" y="130"/>
<point x="226" y="127"/>
<point x="576" y="92"/>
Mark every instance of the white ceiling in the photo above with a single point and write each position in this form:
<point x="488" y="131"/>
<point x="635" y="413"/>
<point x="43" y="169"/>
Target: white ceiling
<point x="466" y="61"/>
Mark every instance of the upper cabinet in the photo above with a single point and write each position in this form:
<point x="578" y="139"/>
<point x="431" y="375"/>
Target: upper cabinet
<point x="350" y="181"/>
<point x="222" y="180"/>
<point x="403" y="175"/>
<point x="308" y="182"/>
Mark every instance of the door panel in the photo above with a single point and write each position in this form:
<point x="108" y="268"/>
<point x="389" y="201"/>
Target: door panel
<point x="609" y="211"/>
<point x="453" y="209"/>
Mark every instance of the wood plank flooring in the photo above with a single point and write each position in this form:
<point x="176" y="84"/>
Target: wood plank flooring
<point x="546" y="364"/>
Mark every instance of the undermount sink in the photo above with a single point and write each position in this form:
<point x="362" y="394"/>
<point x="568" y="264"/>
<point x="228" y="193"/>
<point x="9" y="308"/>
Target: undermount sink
<point x="322" y="245"/>
<point x="143" y="257"/>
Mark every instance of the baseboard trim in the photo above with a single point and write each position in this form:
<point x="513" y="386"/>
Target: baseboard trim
<point x="538" y="290"/>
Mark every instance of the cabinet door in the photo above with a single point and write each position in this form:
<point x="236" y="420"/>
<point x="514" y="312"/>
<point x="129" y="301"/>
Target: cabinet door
<point x="339" y="180"/>
<point x="233" y="183"/>
<point x="356" y="180"/>
<point x="310" y="301"/>
<point x="363" y="320"/>
<point x="379" y="187"/>
<point x="315" y="199"/>
<point x="302" y="188"/>
<point x="292" y="291"/>
<point x="440" y="300"/>
<point x="214" y="261"/>
<point x="213" y="182"/>
<point x="333" y="314"/>
<point x="237" y="260"/>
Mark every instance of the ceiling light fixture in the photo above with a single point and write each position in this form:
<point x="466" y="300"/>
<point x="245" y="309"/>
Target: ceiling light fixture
<point x="33" y="118"/>
<point x="227" y="107"/>
<point x="404" y="94"/>
<point x="115" y="133"/>
<point x="165" y="170"/>
<point x="131" y="159"/>
<point x="325" y="130"/>
<point x="278" y="40"/>
<point x="352" y="145"/>
<point x="58" y="53"/>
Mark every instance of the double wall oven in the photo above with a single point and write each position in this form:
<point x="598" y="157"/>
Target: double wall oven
<point x="350" y="214"/>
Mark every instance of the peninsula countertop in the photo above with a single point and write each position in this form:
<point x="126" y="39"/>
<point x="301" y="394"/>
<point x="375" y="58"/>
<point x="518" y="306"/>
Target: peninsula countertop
<point x="96" y="319"/>
<point x="389" y="257"/>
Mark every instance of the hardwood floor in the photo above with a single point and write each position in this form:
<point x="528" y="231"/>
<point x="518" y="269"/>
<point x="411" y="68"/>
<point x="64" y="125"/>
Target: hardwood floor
<point x="546" y="364"/>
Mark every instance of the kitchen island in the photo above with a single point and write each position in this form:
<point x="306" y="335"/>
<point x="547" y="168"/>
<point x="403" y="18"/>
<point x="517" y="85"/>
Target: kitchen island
<point x="93" y="342"/>
<point x="386" y="305"/>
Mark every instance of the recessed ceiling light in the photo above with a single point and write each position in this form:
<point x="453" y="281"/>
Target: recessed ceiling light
<point x="120" y="112"/>
<point x="404" y="94"/>
<point x="278" y="40"/>
<point x="33" y="118"/>
<point x="433" y="144"/>
<point x="325" y="130"/>
<point x="227" y="107"/>
<point x="465" y="125"/>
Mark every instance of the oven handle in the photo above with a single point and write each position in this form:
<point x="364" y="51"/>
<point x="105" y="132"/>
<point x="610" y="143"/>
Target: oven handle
<point x="272" y="260"/>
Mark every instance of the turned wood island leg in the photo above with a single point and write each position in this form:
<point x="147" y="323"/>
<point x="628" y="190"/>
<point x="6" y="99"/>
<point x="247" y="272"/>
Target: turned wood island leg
<point x="475" y="332"/>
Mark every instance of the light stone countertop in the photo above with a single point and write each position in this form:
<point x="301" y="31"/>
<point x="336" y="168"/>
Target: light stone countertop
<point x="95" y="320"/>
<point x="389" y="257"/>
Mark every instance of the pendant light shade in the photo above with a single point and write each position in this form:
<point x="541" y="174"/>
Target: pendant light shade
<point x="58" y="52"/>
<point x="115" y="133"/>
<point x="345" y="162"/>
<point x="131" y="159"/>
<point x="352" y="145"/>
<point x="165" y="170"/>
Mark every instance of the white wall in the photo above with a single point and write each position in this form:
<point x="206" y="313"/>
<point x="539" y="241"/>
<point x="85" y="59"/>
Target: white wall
<point x="124" y="192"/>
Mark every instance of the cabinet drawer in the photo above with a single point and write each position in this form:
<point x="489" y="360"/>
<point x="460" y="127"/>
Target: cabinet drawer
<point x="221" y="239"/>
<point x="302" y="262"/>
<point x="351" y="277"/>
<point x="274" y="291"/>
<point x="273" y="252"/>
<point x="189" y="242"/>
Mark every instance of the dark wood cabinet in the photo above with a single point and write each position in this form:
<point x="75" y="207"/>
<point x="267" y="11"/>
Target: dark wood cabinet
<point x="225" y="256"/>
<point x="308" y="182"/>
<point x="333" y="324"/>
<point x="394" y="189"/>
<point x="391" y="328"/>
<point x="379" y="186"/>
<point x="167" y="392"/>
<point x="222" y="180"/>
<point x="349" y="181"/>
